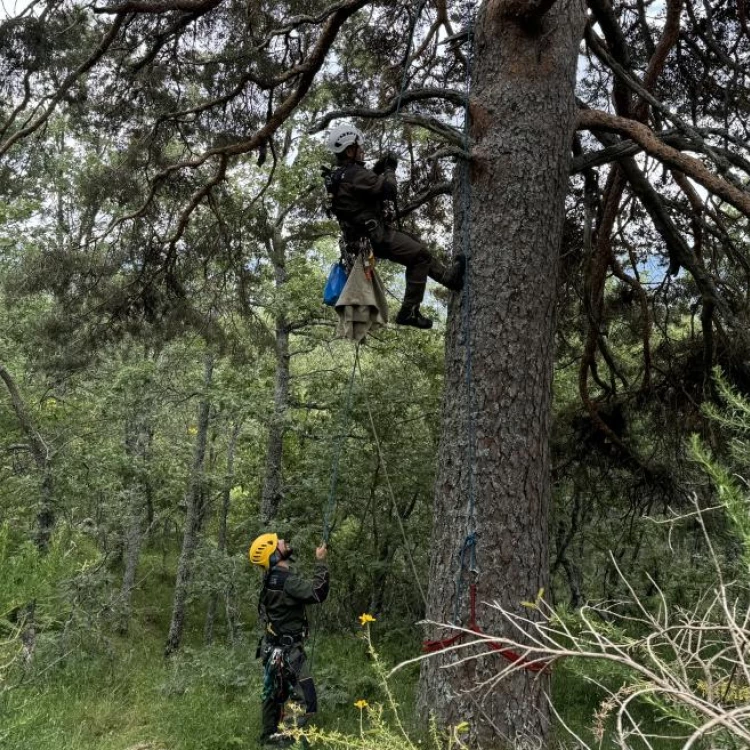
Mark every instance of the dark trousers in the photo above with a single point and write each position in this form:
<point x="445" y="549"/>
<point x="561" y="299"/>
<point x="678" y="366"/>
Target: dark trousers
<point x="303" y="689"/>
<point x="406" y="250"/>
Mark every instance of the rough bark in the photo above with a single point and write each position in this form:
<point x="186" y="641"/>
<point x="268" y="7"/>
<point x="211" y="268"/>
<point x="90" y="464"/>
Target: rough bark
<point x="273" y="487"/>
<point x="221" y="540"/>
<point x="522" y="122"/>
<point x="190" y="533"/>
<point x="42" y="460"/>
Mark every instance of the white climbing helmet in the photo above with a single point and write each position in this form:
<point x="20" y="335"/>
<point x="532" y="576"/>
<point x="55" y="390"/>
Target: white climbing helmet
<point x="340" y="138"/>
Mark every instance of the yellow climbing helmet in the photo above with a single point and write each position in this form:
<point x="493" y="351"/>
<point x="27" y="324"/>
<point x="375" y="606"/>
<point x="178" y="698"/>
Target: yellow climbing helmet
<point x="262" y="548"/>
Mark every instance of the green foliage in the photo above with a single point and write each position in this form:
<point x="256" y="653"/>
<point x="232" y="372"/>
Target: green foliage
<point x="28" y="575"/>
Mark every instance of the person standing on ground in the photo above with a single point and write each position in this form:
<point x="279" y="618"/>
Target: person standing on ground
<point x="282" y="606"/>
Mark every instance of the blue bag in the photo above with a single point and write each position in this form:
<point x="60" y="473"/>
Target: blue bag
<point x="335" y="284"/>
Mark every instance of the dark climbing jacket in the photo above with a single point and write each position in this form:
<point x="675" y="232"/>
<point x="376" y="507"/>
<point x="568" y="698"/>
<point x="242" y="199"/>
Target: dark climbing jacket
<point x="284" y="598"/>
<point x="359" y="194"/>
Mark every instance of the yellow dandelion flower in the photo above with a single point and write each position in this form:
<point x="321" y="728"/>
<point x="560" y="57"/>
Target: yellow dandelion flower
<point x="365" y="618"/>
<point x="361" y="704"/>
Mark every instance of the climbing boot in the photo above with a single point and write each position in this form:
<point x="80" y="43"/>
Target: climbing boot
<point x="453" y="278"/>
<point x="278" y="739"/>
<point x="409" y="315"/>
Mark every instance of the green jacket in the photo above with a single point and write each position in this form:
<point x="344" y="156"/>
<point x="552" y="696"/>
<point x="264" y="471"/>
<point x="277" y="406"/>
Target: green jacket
<point x="285" y="595"/>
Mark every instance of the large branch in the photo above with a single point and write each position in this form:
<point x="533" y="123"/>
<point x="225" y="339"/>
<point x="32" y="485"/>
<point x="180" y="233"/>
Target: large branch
<point x="599" y="50"/>
<point x="669" y="38"/>
<point x="625" y="148"/>
<point x="276" y="119"/>
<point x="597" y="120"/>
<point x="160" y="6"/>
<point x="679" y="251"/>
<point x="414" y="95"/>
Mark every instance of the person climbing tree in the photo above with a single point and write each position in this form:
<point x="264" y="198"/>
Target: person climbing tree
<point x="364" y="202"/>
<point x="281" y="607"/>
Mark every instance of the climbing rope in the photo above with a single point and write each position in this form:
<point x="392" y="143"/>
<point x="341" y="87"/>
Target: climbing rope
<point x="390" y="488"/>
<point x="330" y="507"/>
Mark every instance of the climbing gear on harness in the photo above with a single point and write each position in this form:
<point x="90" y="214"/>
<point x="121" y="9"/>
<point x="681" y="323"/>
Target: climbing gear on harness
<point x="409" y="315"/>
<point x="279" y="677"/>
<point x="354" y="239"/>
<point x="262" y="548"/>
<point x="343" y="136"/>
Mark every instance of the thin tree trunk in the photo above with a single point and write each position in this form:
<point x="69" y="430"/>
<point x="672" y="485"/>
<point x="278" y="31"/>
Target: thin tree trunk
<point x="138" y="442"/>
<point x="494" y="450"/>
<point x="42" y="460"/>
<point x="190" y="534"/>
<point x="273" y="487"/>
<point x="221" y="542"/>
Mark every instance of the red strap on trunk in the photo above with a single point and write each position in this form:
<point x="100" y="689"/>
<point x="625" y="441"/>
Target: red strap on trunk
<point x="433" y="646"/>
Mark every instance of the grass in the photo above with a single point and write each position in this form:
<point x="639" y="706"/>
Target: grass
<point x="119" y="693"/>
<point x="204" y="699"/>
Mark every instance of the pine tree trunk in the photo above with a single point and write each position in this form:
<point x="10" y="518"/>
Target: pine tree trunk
<point x="273" y="488"/>
<point x="190" y="534"/>
<point x="522" y="119"/>
<point x="221" y="542"/>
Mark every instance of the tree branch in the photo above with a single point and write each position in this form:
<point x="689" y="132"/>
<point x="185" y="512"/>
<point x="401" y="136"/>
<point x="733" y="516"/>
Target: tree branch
<point x="441" y="188"/>
<point x="84" y="67"/>
<point x="160" y="6"/>
<point x="415" y="95"/>
<point x="645" y="137"/>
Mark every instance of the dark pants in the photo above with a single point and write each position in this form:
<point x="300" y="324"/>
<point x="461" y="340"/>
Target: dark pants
<point x="303" y="689"/>
<point x="406" y="250"/>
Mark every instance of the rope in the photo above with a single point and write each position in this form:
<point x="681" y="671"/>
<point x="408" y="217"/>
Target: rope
<point x="330" y="507"/>
<point x="470" y="541"/>
<point x="390" y="488"/>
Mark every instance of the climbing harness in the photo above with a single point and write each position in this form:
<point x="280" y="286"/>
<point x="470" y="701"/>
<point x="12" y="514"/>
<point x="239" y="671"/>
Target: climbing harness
<point x="353" y="242"/>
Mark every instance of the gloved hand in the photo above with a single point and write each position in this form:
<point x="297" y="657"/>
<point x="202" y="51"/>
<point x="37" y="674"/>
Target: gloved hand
<point x="389" y="161"/>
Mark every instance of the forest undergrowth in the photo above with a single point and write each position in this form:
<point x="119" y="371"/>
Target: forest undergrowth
<point x="95" y="689"/>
